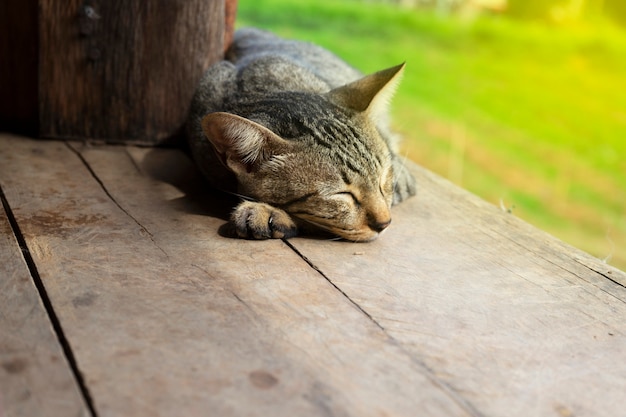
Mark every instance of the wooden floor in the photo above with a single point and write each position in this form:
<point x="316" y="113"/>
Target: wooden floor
<point x="120" y="297"/>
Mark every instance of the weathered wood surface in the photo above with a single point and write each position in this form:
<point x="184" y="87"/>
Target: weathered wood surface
<point x="35" y="378"/>
<point x="114" y="70"/>
<point x="458" y="309"/>
<point x="516" y="321"/>
<point x="166" y="318"/>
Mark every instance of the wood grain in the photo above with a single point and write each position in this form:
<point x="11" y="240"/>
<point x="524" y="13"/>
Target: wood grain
<point x="120" y="70"/>
<point x="230" y="11"/>
<point x="124" y="70"/>
<point x="458" y="309"/>
<point x="35" y="378"/>
<point x="518" y="322"/>
<point x="167" y="318"/>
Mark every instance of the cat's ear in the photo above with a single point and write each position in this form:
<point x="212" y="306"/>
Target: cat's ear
<point x="241" y="143"/>
<point x="371" y="93"/>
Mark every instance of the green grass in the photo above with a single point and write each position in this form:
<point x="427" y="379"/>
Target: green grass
<point x="531" y="115"/>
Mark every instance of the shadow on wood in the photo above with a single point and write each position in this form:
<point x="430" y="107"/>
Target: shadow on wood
<point x="459" y="309"/>
<point x="175" y="168"/>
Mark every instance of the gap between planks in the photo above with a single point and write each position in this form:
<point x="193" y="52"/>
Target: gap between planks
<point x="43" y="295"/>
<point x="108" y="194"/>
<point x="430" y="374"/>
<point x="444" y="386"/>
<point x="525" y="256"/>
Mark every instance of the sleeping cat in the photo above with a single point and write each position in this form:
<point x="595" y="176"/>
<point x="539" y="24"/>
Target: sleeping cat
<point x="301" y="136"/>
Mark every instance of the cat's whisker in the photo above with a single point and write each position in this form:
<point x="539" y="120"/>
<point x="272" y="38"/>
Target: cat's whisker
<point x="346" y="234"/>
<point x="405" y="157"/>
<point x="316" y="224"/>
<point x="323" y="227"/>
<point x="243" y="197"/>
<point x="302" y="131"/>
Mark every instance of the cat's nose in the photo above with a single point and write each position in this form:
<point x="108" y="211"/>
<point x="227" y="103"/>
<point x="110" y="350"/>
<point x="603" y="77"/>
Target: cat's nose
<point x="380" y="226"/>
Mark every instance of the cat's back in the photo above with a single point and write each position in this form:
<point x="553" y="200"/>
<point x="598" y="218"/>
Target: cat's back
<point x="297" y="65"/>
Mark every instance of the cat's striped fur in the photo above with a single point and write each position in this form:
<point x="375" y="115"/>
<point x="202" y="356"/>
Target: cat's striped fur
<point x="302" y="136"/>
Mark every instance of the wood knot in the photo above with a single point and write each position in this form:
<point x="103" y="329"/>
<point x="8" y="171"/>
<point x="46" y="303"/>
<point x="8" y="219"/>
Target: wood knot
<point x="87" y="20"/>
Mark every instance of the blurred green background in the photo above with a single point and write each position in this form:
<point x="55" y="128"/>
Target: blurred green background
<point x="521" y="102"/>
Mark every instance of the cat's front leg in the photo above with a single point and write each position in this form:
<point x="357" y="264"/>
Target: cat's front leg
<point x="254" y="220"/>
<point x="404" y="185"/>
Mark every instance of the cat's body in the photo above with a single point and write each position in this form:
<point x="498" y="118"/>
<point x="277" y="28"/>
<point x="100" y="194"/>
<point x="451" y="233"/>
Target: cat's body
<point x="300" y="134"/>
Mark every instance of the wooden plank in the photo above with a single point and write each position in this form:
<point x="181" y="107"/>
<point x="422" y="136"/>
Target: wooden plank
<point x="167" y="318"/>
<point x="516" y="321"/>
<point x="35" y="378"/>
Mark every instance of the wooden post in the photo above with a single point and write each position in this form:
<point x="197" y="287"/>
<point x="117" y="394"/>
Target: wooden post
<point x="122" y="70"/>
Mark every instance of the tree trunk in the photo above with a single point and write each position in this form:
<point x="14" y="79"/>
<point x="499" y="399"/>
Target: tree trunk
<point x="119" y="70"/>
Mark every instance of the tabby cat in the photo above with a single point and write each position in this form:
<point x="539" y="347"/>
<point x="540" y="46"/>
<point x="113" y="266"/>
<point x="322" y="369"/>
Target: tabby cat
<point x="301" y="136"/>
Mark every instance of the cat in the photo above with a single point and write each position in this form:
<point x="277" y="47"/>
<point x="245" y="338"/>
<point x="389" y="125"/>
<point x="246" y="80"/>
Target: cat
<point x="301" y="136"/>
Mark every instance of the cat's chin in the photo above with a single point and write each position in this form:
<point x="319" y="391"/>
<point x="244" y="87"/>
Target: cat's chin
<point x="361" y="237"/>
<point x="326" y="233"/>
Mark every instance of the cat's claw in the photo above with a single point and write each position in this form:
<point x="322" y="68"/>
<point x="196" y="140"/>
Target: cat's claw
<point x="254" y="220"/>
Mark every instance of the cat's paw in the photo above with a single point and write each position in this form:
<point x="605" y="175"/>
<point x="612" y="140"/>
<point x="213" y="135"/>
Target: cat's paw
<point x="404" y="183"/>
<point x="253" y="220"/>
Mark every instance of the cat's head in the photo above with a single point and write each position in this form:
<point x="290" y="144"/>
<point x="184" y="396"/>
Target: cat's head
<point x="319" y="157"/>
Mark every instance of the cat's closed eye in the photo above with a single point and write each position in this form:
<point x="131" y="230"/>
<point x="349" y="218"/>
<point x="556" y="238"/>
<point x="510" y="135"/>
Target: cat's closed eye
<point x="302" y="135"/>
<point x="348" y="195"/>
